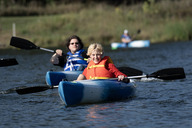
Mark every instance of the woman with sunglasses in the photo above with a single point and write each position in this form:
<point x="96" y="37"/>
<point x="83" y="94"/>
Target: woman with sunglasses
<point x="74" y="60"/>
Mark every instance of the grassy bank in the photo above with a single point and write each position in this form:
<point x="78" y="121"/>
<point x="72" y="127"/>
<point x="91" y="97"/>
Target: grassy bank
<point x="158" y="22"/>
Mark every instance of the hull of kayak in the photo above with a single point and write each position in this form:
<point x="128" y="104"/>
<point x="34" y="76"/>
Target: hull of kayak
<point x="54" y="77"/>
<point x="94" y="91"/>
<point x="132" y="44"/>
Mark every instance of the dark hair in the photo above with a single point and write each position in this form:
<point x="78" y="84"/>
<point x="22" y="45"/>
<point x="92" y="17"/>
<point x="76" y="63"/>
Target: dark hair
<point x="74" y="37"/>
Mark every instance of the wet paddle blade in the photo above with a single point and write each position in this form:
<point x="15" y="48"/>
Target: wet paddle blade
<point x="8" y="62"/>
<point x="130" y="71"/>
<point x="33" y="89"/>
<point x="22" y="43"/>
<point x="169" y="74"/>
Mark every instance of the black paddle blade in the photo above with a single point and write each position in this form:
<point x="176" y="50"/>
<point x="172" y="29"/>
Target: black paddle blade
<point x="169" y="74"/>
<point x="22" y="43"/>
<point x="8" y="62"/>
<point x="34" y="89"/>
<point x="138" y="31"/>
<point x="130" y="71"/>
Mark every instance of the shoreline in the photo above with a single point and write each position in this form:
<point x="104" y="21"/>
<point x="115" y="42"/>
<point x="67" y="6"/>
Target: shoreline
<point x="102" y="23"/>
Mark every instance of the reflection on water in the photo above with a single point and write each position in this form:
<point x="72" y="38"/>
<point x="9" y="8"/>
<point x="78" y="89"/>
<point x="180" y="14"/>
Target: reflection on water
<point x="93" y="113"/>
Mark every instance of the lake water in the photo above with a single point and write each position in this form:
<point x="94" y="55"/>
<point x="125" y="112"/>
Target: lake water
<point x="157" y="104"/>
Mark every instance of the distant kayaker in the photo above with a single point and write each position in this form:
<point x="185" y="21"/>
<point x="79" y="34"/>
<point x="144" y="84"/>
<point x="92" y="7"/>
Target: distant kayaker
<point x="125" y="38"/>
<point x="100" y="68"/>
<point x="74" y="60"/>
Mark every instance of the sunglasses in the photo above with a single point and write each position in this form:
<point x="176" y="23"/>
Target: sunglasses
<point x="74" y="43"/>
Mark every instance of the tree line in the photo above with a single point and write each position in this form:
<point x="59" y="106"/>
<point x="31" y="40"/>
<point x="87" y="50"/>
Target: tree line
<point x="42" y="3"/>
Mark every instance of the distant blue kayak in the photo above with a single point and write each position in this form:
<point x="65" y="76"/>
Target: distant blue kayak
<point x="94" y="91"/>
<point x="132" y="44"/>
<point x="54" y="77"/>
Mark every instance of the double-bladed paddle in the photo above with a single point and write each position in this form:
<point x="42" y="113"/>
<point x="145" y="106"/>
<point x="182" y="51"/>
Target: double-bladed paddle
<point x="8" y="62"/>
<point x="164" y="74"/>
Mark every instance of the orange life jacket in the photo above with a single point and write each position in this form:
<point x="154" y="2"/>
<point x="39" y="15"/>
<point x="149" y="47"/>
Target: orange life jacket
<point x="98" y="71"/>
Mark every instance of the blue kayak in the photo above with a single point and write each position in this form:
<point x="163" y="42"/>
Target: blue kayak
<point x="94" y="91"/>
<point x="132" y="44"/>
<point x="54" y="77"/>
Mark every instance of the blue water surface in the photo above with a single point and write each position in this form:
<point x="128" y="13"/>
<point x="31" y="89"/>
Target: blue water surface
<point x="157" y="103"/>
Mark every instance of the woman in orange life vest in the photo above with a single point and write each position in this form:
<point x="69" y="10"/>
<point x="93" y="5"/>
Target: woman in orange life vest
<point x="100" y="68"/>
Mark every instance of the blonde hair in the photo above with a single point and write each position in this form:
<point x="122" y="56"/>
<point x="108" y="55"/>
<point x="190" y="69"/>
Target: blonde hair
<point x="94" y="46"/>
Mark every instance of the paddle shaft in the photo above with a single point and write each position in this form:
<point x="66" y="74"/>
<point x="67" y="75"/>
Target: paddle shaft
<point x="48" y="50"/>
<point x="143" y="76"/>
<point x="136" y="77"/>
<point x="133" y="77"/>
